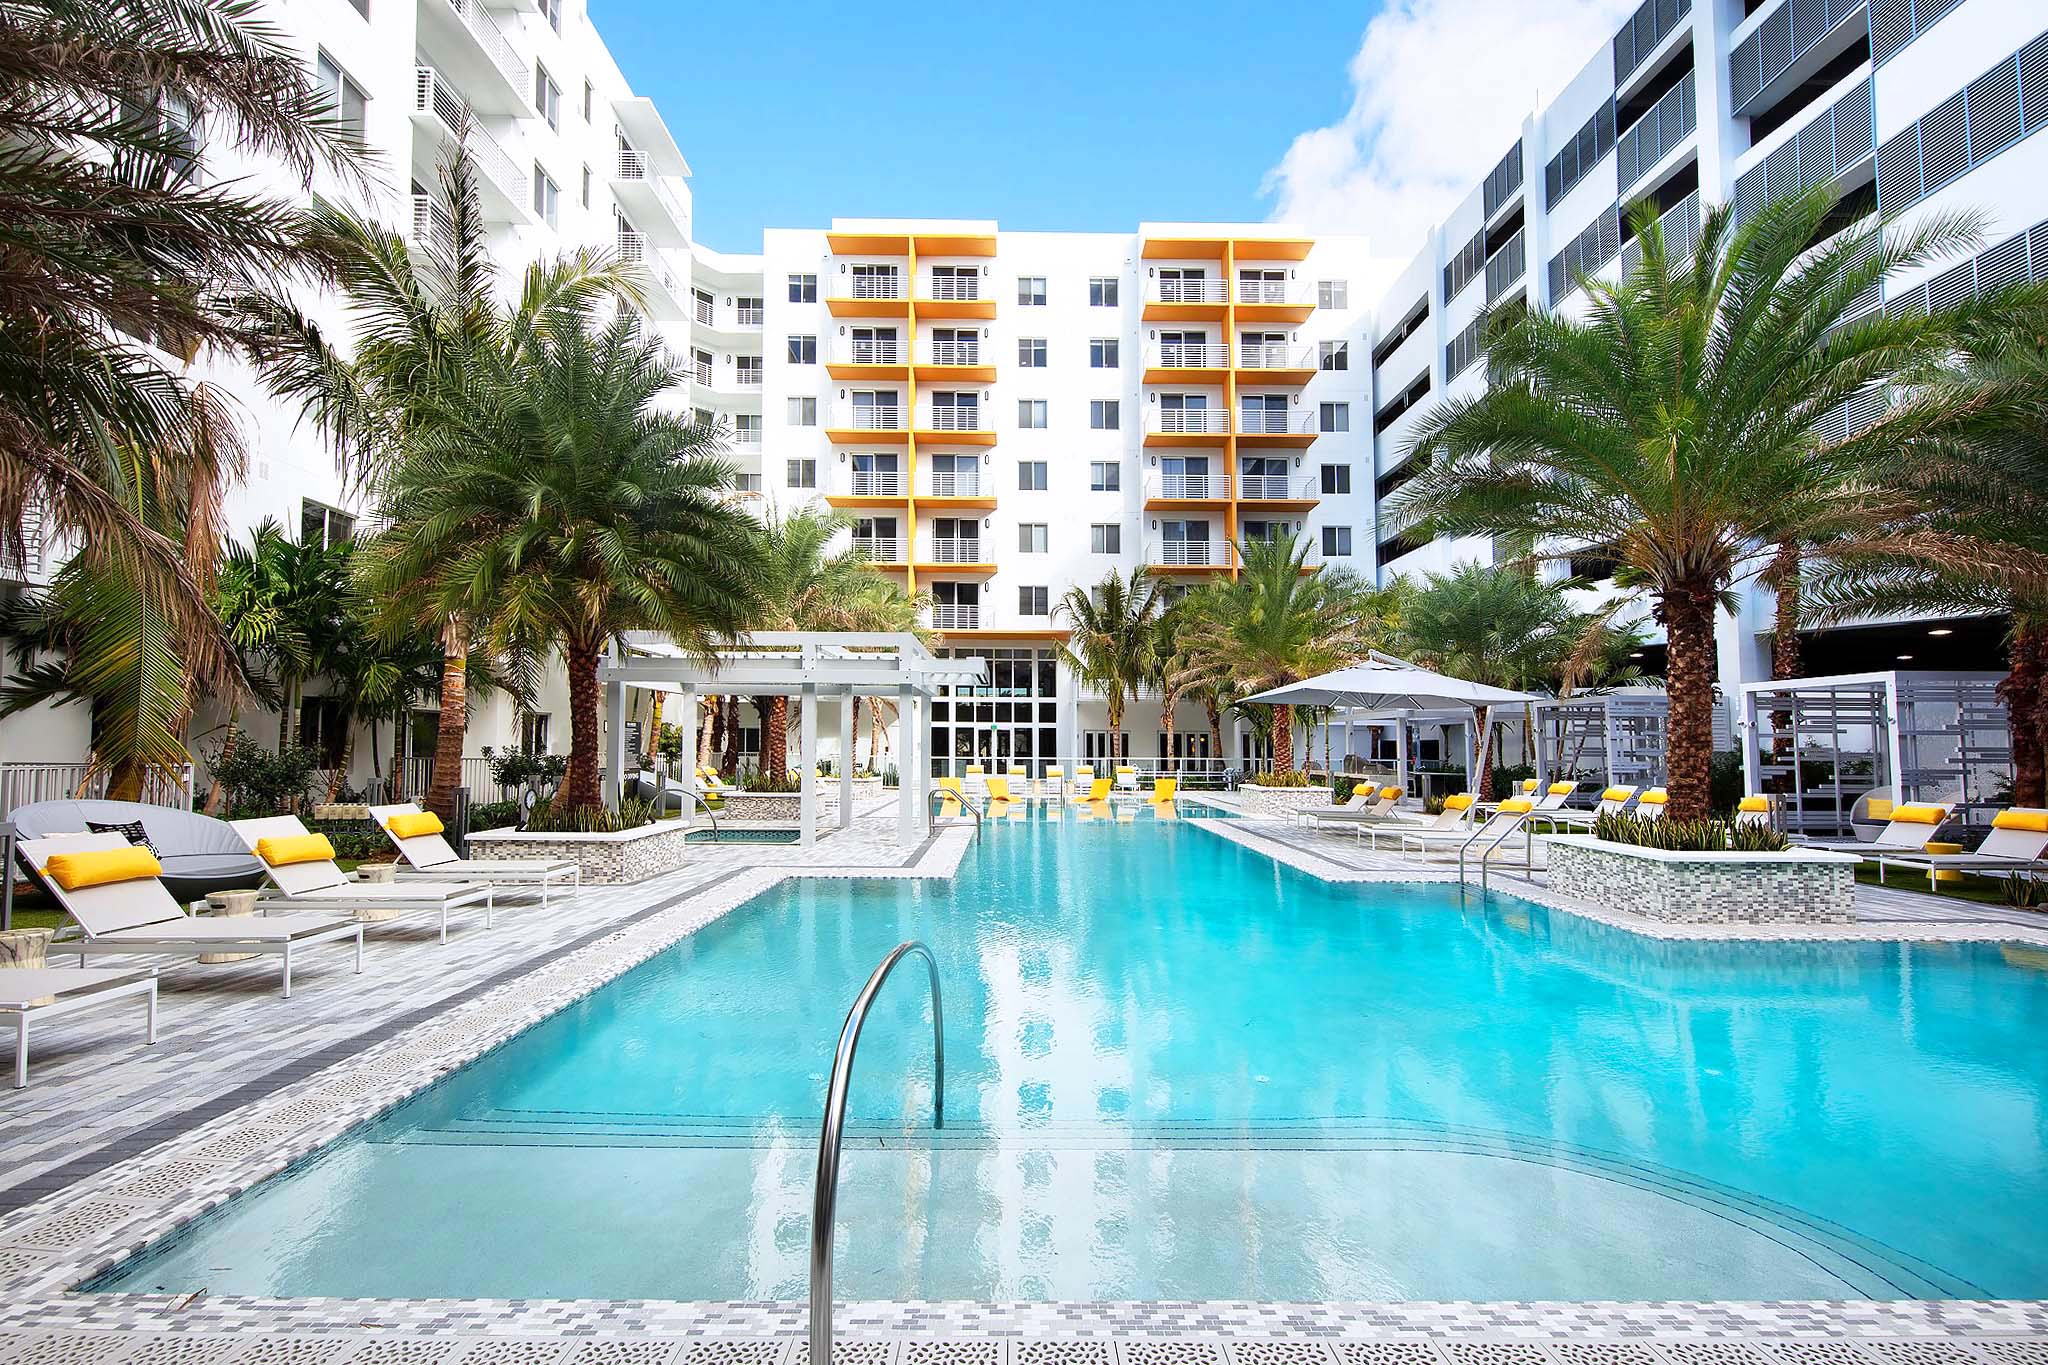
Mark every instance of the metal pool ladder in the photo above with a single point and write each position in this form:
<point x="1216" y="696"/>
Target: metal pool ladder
<point x="931" y="817"/>
<point x="825" y="1192"/>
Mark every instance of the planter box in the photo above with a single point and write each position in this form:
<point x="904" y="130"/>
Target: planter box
<point x="1798" y="886"/>
<point x="631" y="855"/>
<point x="765" y="808"/>
<point x="1282" y="801"/>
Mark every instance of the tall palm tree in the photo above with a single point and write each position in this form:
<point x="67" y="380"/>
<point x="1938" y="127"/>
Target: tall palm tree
<point x="560" y="505"/>
<point x="1112" y="641"/>
<point x="1277" y="623"/>
<point x="1682" y="423"/>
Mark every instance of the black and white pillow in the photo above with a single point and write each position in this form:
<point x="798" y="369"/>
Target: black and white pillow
<point x="133" y="832"/>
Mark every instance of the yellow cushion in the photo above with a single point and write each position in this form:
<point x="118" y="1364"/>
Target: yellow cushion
<point x="1563" y="788"/>
<point x="1528" y="784"/>
<point x="101" y="867"/>
<point x="1656" y="798"/>
<point x="1459" y="802"/>
<point x="1389" y="793"/>
<point x="414" y="825"/>
<point x="1518" y="804"/>
<point x="1617" y="793"/>
<point x="1919" y="815"/>
<point x="2035" y="820"/>
<point x="1754" y="803"/>
<point x="1878" y="808"/>
<point x="296" y="848"/>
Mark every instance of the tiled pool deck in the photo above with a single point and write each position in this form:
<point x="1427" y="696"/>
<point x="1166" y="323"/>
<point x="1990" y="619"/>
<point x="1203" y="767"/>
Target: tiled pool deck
<point x="114" y="1144"/>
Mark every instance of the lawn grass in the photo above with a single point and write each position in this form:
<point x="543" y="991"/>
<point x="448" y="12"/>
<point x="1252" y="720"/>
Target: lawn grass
<point x="1982" y="890"/>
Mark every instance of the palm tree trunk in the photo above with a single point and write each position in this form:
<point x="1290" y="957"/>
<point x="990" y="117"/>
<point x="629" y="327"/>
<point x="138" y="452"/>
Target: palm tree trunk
<point x="288" y="717"/>
<point x="1283" y="739"/>
<point x="711" y="739"/>
<point x="1688" y="617"/>
<point x="2021" y="691"/>
<point x="398" y="732"/>
<point x="1215" y="715"/>
<point x="653" y="728"/>
<point x="1782" y="578"/>
<point x="348" y="758"/>
<point x="774" y="735"/>
<point x="454" y="722"/>
<point x="227" y="748"/>
<point x="729" y="761"/>
<point x="1116" y="727"/>
<point x="581" y="782"/>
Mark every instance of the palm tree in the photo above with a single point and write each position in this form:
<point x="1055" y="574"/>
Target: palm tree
<point x="561" y="506"/>
<point x="1112" y="642"/>
<point x="1683" y="423"/>
<point x="113" y="235"/>
<point x="1277" y="623"/>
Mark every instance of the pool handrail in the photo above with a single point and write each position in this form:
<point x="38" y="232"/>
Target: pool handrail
<point x="931" y="817"/>
<point x="825" y="1192"/>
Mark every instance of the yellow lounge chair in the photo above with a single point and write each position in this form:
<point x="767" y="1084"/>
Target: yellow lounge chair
<point x="1164" y="791"/>
<point x="955" y="798"/>
<point x="999" y="790"/>
<point x="1098" y="792"/>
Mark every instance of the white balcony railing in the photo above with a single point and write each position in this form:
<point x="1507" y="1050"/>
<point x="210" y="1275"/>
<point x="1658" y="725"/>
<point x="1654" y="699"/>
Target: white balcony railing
<point x="955" y="616"/>
<point x="749" y="377"/>
<point x="1263" y="291"/>
<point x="29" y="563"/>
<point x="493" y="41"/>
<point x="432" y="224"/>
<point x="434" y="95"/>
<point x="957" y="485"/>
<point x="889" y="286"/>
<point x="1193" y="486"/>
<point x="956" y="288"/>
<point x="957" y="418"/>
<point x="747" y="442"/>
<point x="636" y="249"/>
<point x="879" y="549"/>
<point x="955" y="550"/>
<point x="1189" y="356"/>
<point x="1273" y="355"/>
<point x="1274" y="422"/>
<point x="1192" y="421"/>
<point x="1204" y="290"/>
<point x="875" y="483"/>
<point x="955" y="353"/>
<point x="750" y="317"/>
<point x="884" y="351"/>
<point x="634" y="165"/>
<point x="880" y="417"/>
<point x="1255" y="487"/>
<point x="1184" y="552"/>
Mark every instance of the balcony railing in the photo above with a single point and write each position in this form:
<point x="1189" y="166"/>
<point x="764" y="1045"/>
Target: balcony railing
<point x="433" y="95"/>
<point x="957" y="485"/>
<point x="636" y="249"/>
<point x="432" y="223"/>
<point x="881" y="417"/>
<point x="1274" y="422"/>
<point x="886" y="352"/>
<point x="1263" y="291"/>
<point x="955" y="550"/>
<point x="747" y="442"/>
<point x="634" y="165"/>
<point x="1670" y="121"/>
<point x="955" y="616"/>
<point x="1681" y="224"/>
<point x="955" y="353"/>
<point x="1190" y="355"/>
<point x="956" y="288"/>
<point x="957" y="419"/>
<point x="879" y="549"/>
<point x="1192" y="421"/>
<point x="1505" y="268"/>
<point x="875" y="483"/>
<point x="749" y="377"/>
<point x="1191" y="486"/>
<point x="29" y="564"/>
<point x="1204" y="290"/>
<point x="1273" y="355"/>
<point x="750" y="317"/>
<point x="493" y="41"/>
<point x="1255" y="487"/>
<point x="1186" y="552"/>
<point x="877" y="286"/>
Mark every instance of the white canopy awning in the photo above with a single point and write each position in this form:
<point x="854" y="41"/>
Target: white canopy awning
<point x="1384" y="683"/>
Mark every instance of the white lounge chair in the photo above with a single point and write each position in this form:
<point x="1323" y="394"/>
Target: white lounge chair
<point x="1508" y="816"/>
<point x="429" y="857"/>
<point x="43" y="992"/>
<point x="1651" y="802"/>
<point x="320" y="882"/>
<point x="1366" y="803"/>
<point x="2018" y="840"/>
<point x="1456" y="815"/>
<point x="139" y="916"/>
<point x="1613" y="801"/>
<point x="1757" y="810"/>
<point x="1908" y="830"/>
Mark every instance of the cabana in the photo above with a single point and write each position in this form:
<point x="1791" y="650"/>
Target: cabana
<point x="1619" y="736"/>
<point x="806" y="666"/>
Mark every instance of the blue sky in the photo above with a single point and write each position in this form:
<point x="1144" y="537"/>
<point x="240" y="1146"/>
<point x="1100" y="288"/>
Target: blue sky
<point x="1043" y="115"/>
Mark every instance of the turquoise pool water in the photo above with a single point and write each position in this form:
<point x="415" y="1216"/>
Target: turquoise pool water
<point x="1177" y="1070"/>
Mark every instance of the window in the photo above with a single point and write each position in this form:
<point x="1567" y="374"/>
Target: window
<point x="322" y="525"/>
<point x="1031" y="290"/>
<point x="803" y="412"/>
<point x="803" y="288"/>
<point x="803" y="350"/>
<point x="547" y="196"/>
<point x="746" y="428"/>
<point x="351" y="105"/>
<point x="587" y="94"/>
<point x="1105" y="476"/>
<point x="1031" y="352"/>
<point x="553" y="10"/>
<point x="533" y="731"/>
<point x="1034" y="601"/>
<point x="1336" y="542"/>
<point x="362" y="7"/>
<point x="1336" y="417"/>
<point x="1031" y="538"/>
<point x="1102" y="292"/>
<point x="748" y="369"/>
<point x="1031" y="475"/>
<point x="1332" y="293"/>
<point x="803" y="474"/>
<point x="1031" y="413"/>
<point x="1102" y="353"/>
<point x="1106" y="538"/>
<point x="1333" y="355"/>
<point x="1103" y="414"/>
<point x="1336" y="479"/>
<point x="547" y="96"/>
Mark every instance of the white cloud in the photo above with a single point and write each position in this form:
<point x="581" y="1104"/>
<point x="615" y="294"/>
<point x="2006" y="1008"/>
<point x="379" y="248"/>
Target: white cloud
<point x="1439" y="90"/>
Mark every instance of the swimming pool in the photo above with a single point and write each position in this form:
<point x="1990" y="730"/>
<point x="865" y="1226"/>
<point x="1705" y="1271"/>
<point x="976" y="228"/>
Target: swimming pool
<point x="1177" y="1070"/>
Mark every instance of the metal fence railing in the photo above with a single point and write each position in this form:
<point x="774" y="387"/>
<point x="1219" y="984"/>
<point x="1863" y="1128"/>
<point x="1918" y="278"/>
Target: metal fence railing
<point x="25" y="784"/>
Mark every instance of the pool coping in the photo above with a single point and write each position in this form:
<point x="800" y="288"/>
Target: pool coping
<point x="79" y="1232"/>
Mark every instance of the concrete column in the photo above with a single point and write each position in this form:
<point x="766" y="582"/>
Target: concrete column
<point x="615" y="742"/>
<point x="847" y="703"/>
<point x="807" y="767"/>
<point x="906" y="813"/>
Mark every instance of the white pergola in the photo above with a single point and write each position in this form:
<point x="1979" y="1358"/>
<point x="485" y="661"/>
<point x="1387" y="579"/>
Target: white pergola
<point x="806" y="665"/>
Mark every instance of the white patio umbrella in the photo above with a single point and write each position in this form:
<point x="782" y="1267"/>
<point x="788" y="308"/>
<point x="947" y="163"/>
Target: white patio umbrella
<point x="1385" y="683"/>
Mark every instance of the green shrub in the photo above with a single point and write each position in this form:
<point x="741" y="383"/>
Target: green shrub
<point x="357" y="839"/>
<point x="518" y="767"/>
<point x="892" y="778"/>
<point x="1341" y="788"/>
<point x="2025" y="893"/>
<point x="770" y="783"/>
<point x="493" y="814"/>
<point x="260" y="780"/>
<point x="1689" y="836"/>
<point x="632" y="813"/>
<point x="1296" y="778"/>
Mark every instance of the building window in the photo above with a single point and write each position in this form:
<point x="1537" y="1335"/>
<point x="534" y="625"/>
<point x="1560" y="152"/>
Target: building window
<point x="322" y="525"/>
<point x="553" y="10"/>
<point x="362" y="7"/>
<point x="1336" y="417"/>
<point x="1102" y="292"/>
<point x="803" y="412"/>
<point x="1103" y="414"/>
<point x="533" y="731"/>
<point x="1031" y="290"/>
<point x="547" y="96"/>
<point x="1031" y="352"/>
<point x="1034" y="601"/>
<point x="586" y="187"/>
<point x="1333" y="355"/>
<point x="803" y="288"/>
<point x="803" y="474"/>
<point x="1031" y="413"/>
<point x="588" y="93"/>
<point x="1031" y="475"/>
<point x="1105" y="476"/>
<point x="1336" y="542"/>
<point x="547" y="196"/>
<point x="1106" y="538"/>
<point x="746" y="428"/>
<point x="1336" y="479"/>
<point x="803" y="350"/>
<point x="747" y="369"/>
<point x="351" y="105"/>
<point x="1102" y="353"/>
<point x="1031" y="538"/>
<point x="1332" y="294"/>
